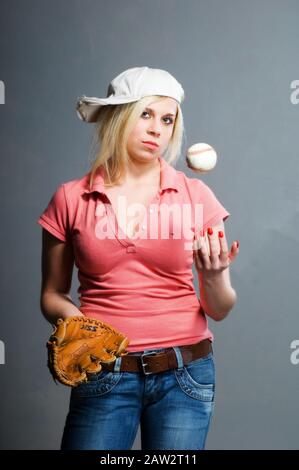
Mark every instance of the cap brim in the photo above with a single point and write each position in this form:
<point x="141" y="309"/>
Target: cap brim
<point x="87" y="106"/>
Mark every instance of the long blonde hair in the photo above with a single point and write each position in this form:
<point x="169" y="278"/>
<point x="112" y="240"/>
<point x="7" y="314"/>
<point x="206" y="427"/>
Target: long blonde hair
<point x="114" y="125"/>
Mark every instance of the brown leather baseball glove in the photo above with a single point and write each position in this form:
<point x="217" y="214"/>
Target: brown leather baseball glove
<point x="78" y="345"/>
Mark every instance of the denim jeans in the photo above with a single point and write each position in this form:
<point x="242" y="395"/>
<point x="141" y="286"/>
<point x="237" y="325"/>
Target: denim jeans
<point x="174" y="408"/>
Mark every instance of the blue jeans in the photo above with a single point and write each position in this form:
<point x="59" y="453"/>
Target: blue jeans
<point x="174" y="408"/>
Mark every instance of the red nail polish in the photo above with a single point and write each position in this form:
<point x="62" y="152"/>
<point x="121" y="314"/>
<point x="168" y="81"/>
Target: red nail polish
<point x="237" y="244"/>
<point x="210" y="231"/>
<point x="220" y="234"/>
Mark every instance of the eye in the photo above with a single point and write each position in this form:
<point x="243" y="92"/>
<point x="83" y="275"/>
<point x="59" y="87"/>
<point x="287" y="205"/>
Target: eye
<point x="169" y="118"/>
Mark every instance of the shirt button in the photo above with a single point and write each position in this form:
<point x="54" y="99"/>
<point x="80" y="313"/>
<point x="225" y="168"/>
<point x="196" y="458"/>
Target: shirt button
<point x="144" y="227"/>
<point x="151" y="210"/>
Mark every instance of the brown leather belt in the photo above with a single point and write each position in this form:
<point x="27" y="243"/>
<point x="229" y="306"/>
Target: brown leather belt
<point x="150" y="363"/>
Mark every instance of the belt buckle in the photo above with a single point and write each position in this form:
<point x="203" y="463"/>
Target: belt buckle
<point x="144" y="364"/>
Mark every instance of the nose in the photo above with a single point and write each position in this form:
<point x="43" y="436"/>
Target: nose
<point x="154" y="128"/>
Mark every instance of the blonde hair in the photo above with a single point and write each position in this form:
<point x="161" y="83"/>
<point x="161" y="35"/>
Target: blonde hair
<point x="114" y="125"/>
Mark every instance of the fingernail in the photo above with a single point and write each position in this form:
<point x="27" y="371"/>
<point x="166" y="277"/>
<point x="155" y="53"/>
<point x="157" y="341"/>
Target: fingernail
<point x="220" y="234"/>
<point x="210" y="231"/>
<point x="237" y="244"/>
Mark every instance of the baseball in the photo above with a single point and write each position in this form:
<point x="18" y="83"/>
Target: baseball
<point x="201" y="157"/>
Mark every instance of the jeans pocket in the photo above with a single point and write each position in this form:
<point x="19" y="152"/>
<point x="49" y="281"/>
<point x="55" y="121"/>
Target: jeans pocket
<point x="197" y="379"/>
<point x="98" y="384"/>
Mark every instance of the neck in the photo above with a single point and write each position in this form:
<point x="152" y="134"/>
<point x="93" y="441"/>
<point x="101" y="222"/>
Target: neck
<point x="142" y="172"/>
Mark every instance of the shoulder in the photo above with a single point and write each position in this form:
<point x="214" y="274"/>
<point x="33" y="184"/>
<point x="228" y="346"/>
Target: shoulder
<point x="204" y="199"/>
<point x="196" y="188"/>
<point x="75" y="187"/>
<point x="68" y="194"/>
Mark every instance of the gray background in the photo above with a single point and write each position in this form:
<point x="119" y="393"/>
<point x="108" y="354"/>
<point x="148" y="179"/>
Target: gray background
<point x="236" y="61"/>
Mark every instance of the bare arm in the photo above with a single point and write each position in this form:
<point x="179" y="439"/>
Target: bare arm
<point x="216" y="293"/>
<point x="57" y="270"/>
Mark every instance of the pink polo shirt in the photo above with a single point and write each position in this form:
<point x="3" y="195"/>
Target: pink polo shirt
<point x="143" y="286"/>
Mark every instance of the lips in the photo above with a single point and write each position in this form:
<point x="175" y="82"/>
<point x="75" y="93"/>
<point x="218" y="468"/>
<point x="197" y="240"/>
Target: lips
<point x="151" y="143"/>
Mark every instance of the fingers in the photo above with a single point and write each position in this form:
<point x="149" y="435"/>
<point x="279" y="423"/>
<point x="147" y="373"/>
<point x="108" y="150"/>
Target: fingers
<point x="202" y="251"/>
<point x="219" y="247"/>
<point x="206" y="247"/>
<point x="234" y="251"/>
<point x="215" y="247"/>
<point x="224" y="254"/>
<point x="211" y="250"/>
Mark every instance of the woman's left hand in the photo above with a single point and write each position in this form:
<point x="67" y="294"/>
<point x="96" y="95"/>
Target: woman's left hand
<point x="211" y="251"/>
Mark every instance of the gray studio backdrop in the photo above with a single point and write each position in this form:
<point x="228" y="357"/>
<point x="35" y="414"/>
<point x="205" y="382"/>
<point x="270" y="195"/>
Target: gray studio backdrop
<point x="238" y="63"/>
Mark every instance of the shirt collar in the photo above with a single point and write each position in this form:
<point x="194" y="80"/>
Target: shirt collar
<point x="169" y="178"/>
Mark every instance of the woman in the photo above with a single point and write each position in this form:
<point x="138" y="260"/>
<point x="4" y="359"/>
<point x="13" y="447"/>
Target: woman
<point x="122" y="225"/>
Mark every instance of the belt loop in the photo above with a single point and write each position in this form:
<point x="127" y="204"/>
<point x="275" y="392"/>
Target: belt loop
<point x="178" y="357"/>
<point x="117" y="364"/>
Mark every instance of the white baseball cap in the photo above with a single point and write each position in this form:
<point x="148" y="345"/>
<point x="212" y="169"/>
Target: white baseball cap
<point x="129" y="86"/>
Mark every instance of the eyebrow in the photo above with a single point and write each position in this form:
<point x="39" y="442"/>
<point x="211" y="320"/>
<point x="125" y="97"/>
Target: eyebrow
<point x="168" y="114"/>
